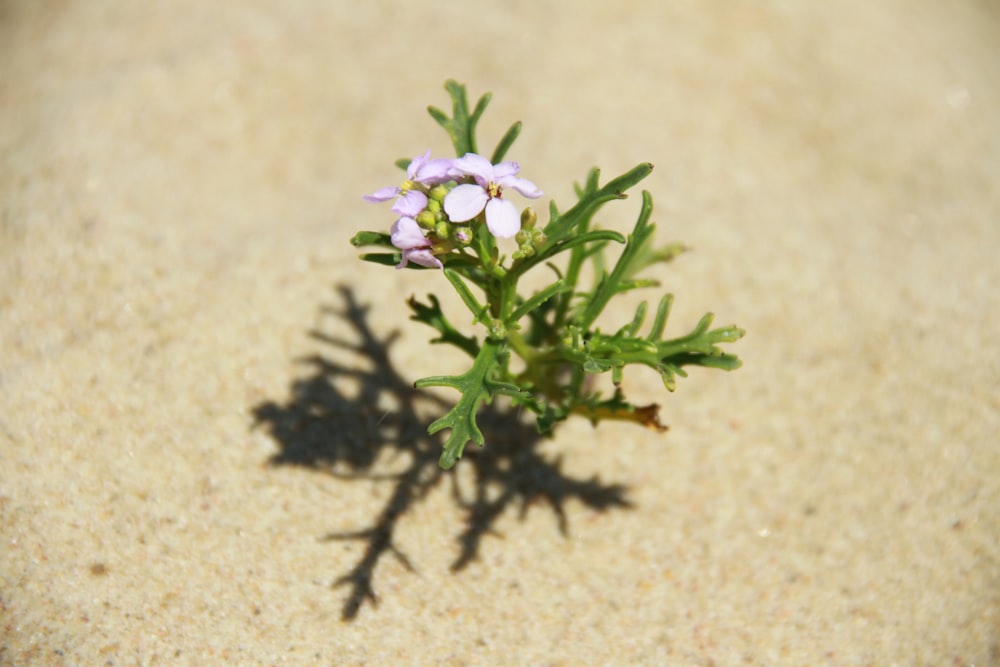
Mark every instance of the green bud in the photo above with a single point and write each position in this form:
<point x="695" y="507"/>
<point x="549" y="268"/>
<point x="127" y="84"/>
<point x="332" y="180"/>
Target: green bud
<point x="443" y="230"/>
<point x="438" y="193"/>
<point x="433" y="205"/>
<point x="528" y="218"/>
<point x="426" y="219"/>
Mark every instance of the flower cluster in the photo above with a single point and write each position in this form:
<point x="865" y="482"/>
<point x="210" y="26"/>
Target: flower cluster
<point x="441" y="201"/>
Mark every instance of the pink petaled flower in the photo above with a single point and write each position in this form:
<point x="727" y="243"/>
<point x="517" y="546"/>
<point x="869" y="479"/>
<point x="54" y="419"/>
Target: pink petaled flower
<point x="408" y="237"/>
<point x="468" y="200"/>
<point x="410" y="200"/>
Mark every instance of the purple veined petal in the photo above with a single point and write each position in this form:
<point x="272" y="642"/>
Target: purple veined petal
<point x="406" y="234"/>
<point x="524" y="186"/>
<point x="410" y="203"/>
<point x="382" y="194"/>
<point x="502" y="218"/>
<point x="421" y="256"/>
<point x="474" y="165"/>
<point x="465" y="202"/>
<point x="505" y="170"/>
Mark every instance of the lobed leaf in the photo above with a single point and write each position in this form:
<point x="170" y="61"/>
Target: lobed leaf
<point x="476" y="386"/>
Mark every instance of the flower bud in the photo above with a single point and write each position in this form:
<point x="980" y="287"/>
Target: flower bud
<point x="438" y="193"/>
<point x="528" y="218"/>
<point x="426" y="219"/>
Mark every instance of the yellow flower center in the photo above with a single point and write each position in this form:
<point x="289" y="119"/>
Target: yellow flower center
<point x="493" y="189"/>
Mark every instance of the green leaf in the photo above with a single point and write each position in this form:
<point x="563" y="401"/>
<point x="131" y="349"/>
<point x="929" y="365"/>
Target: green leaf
<point x="461" y="127"/>
<point x="432" y="316"/>
<point x="480" y="311"/>
<point x="537" y="299"/>
<point x="597" y="237"/>
<point x="698" y="348"/>
<point x="610" y="285"/>
<point x="662" y="313"/>
<point x="640" y="314"/>
<point x="592" y="198"/>
<point x="371" y="238"/>
<point x="477" y="386"/>
<point x="661" y="255"/>
<point x="505" y="143"/>
<point x="384" y="258"/>
<point x="440" y="117"/>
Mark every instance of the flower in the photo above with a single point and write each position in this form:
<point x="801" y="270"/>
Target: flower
<point x="468" y="200"/>
<point x="411" y="198"/>
<point x="408" y="237"/>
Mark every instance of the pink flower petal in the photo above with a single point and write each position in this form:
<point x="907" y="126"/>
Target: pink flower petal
<point x="417" y="163"/>
<point x="525" y="187"/>
<point x="436" y="171"/>
<point x="465" y="202"/>
<point x="406" y="235"/>
<point x="421" y="256"/>
<point x="502" y="218"/>
<point x="410" y="204"/>
<point x="505" y="170"/>
<point x="474" y="165"/>
<point x="382" y="194"/>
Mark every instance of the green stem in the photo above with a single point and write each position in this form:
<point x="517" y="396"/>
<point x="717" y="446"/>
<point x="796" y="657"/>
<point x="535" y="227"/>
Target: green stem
<point x="520" y="347"/>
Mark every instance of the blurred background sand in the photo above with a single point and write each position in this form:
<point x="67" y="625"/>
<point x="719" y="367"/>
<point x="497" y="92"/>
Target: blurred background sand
<point x="178" y="183"/>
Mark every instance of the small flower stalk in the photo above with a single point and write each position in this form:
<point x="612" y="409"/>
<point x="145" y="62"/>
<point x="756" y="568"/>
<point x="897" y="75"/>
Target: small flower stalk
<point x="460" y="216"/>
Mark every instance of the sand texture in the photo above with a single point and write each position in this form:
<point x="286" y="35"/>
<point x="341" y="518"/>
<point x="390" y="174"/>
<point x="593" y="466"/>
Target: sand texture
<point x="211" y="451"/>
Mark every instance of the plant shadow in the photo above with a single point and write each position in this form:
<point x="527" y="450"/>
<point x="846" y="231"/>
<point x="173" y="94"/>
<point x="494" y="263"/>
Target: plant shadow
<point x="354" y="411"/>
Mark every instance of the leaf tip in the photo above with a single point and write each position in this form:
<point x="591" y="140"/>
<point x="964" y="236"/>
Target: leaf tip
<point x="448" y="460"/>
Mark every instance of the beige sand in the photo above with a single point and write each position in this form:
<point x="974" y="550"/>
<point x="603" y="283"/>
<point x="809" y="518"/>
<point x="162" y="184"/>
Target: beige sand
<point x="178" y="184"/>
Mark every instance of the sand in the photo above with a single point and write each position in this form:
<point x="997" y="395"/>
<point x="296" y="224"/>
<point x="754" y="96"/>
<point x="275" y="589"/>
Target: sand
<point x="211" y="449"/>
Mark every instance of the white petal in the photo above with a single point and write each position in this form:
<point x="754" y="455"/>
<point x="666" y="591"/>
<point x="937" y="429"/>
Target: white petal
<point x="502" y="218"/>
<point x="465" y="202"/>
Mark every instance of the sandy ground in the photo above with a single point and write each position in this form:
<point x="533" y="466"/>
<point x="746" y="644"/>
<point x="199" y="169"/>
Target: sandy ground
<point x="211" y="451"/>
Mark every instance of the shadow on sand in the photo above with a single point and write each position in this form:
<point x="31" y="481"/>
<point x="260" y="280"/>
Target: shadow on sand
<point x="354" y="409"/>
